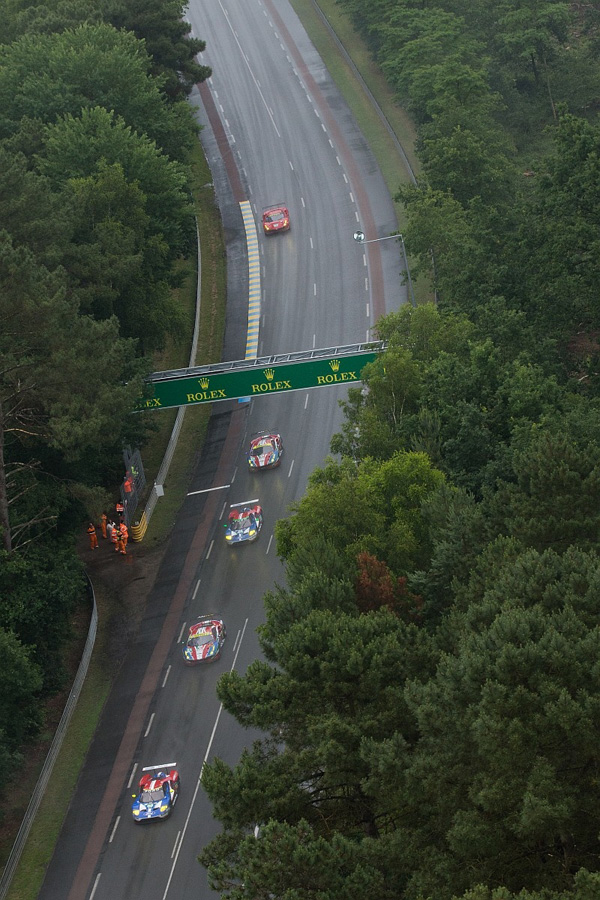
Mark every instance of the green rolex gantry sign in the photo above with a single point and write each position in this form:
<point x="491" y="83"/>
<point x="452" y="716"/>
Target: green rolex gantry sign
<point x="258" y="377"/>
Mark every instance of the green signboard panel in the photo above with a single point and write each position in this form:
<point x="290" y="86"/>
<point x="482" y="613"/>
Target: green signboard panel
<point x="247" y="381"/>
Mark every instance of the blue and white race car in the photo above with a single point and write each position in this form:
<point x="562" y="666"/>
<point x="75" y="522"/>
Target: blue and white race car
<point x="158" y="793"/>
<point x="244" y="522"/>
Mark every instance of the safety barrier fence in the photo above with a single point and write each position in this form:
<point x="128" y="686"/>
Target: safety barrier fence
<point x="138" y="528"/>
<point x="42" y="783"/>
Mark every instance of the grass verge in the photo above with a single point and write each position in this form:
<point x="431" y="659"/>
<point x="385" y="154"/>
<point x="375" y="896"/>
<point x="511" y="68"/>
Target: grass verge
<point x="389" y="159"/>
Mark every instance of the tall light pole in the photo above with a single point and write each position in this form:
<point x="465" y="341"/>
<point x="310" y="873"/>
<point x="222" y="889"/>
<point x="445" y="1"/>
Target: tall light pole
<point x="359" y="237"/>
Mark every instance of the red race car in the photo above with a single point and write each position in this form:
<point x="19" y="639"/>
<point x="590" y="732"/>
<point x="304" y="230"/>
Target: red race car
<point x="276" y="218"/>
<point x="205" y="641"/>
<point x="265" y="451"/>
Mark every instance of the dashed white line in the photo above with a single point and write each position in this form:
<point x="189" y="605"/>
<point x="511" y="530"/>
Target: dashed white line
<point x="351" y="197"/>
<point x="365" y="260"/>
<point x="291" y="166"/>
<point x="323" y="127"/>
<point x="196" y="589"/>
<point x="331" y="143"/>
<point x="212" y="543"/>
<point x="95" y="885"/>
<point x="311" y="244"/>
<point x="149" y="725"/>
<point x="269" y="544"/>
<point x="234" y="474"/>
<point x="166" y="676"/>
<point x="291" y="467"/>
<point x="135" y="765"/>
<point x="368" y="310"/>
<point x="366" y="284"/>
<point x="314" y="290"/>
<point x="368" y="334"/>
<point x="356" y="215"/>
<point x="175" y="844"/>
<point x="345" y="177"/>
<point x="222" y="511"/>
<point x="199" y="782"/>
<point x="338" y="160"/>
<point x="112" y="834"/>
<point x="181" y="632"/>
<point x="306" y="402"/>
<point x="302" y="202"/>
<point x="314" y="341"/>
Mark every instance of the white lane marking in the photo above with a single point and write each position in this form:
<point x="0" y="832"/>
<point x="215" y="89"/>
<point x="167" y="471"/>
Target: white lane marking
<point x="306" y="402"/>
<point x="291" y="467"/>
<point x="166" y="676"/>
<point x="175" y="845"/>
<point x="316" y="111"/>
<point x="302" y="202"/>
<point x="112" y="834"/>
<point x="368" y="310"/>
<point x="234" y="474"/>
<point x="269" y="544"/>
<point x="221" y="487"/>
<point x="365" y="260"/>
<point x="314" y="341"/>
<point x="351" y="197"/>
<point x="367" y="283"/>
<point x="314" y="290"/>
<point x="199" y="782"/>
<point x="223" y="510"/>
<point x="338" y="161"/>
<point x="198" y="582"/>
<point x="291" y="166"/>
<point x="135" y="765"/>
<point x="149" y="725"/>
<point x="245" y="58"/>
<point x="345" y="177"/>
<point x="212" y="543"/>
<point x="181" y="632"/>
<point x="323" y="127"/>
<point x="331" y="143"/>
<point x="312" y="246"/>
<point x="237" y="637"/>
<point x="95" y="885"/>
<point x="356" y="216"/>
<point x="368" y="330"/>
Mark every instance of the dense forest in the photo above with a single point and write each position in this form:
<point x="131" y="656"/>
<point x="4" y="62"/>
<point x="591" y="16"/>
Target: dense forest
<point x="430" y="689"/>
<point x="94" y="212"/>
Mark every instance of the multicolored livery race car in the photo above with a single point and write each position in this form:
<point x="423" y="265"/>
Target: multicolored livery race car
<point x="266" y="450"/>
<point x="244" y="522"/>
<point x="158" y="793"/>
<point x="276" y="218"/>
<point x="205" y="641"/>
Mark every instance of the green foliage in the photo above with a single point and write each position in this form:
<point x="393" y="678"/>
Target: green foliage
<point x="46" y="76"/>
<point x="373" y="507"/>
<point x="20" y="682"/>
<point x="39" y="590"/>
<point x="166" y="34"/>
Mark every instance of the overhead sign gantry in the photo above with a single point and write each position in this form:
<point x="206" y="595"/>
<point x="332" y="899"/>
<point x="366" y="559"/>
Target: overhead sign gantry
<point x="259" y="377"/>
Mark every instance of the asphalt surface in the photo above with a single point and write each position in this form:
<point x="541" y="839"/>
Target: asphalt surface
<point x="275" y="129"/>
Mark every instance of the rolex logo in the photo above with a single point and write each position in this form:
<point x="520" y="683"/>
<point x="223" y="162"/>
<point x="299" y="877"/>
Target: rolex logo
<point x="335" y="364"/>
<point x="204" y="382"/>
<point x="269" y="374"/>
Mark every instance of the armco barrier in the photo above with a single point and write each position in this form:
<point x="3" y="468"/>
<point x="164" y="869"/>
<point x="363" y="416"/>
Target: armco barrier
<point x="38" y="793"/>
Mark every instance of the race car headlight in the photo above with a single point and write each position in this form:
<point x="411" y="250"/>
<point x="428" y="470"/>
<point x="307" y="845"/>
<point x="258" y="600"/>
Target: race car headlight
<point x="163" y="808"/>
<point x="136" y="812"/>
<point x="227" y="537"/>
<point x="252" y="531"/>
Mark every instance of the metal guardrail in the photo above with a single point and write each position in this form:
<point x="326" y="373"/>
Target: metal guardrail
<point x="138" y="529"/>
<point x="42" y="783"/>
